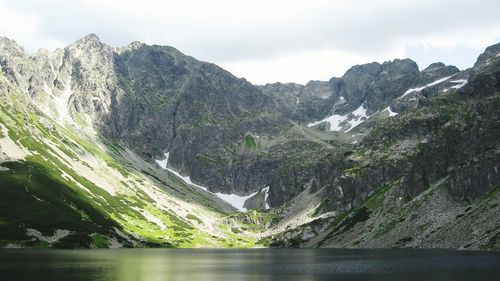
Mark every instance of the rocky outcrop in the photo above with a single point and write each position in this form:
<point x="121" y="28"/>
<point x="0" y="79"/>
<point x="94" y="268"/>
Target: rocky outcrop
<point x="426" y="178"/>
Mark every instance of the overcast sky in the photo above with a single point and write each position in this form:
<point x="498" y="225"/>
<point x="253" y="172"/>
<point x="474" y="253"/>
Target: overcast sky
<point x="269" y="40"/>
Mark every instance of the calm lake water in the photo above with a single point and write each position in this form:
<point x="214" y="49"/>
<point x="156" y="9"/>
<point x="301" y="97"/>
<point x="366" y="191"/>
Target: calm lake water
<point x="257" y="264"/>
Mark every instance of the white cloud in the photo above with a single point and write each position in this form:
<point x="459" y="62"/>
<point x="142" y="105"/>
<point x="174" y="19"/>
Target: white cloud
<point x="301" y="67"/>
<point x="23" y="27"/>
<point x="294" y="40"/>
<point x="19" y="26"/>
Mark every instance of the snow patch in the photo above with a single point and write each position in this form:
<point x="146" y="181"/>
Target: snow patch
<point x="460" y="83"/>
<point x="335" y="120"/>
<point x="297" y="100"/>
<point x="266" y="195"/>
<point x="439" y="81"/>
<point x="37" y="198"/>
<point x="359" y="117"/>
<point x="186" y="179"/>
<point x="163" y="163"/>
<point x="58" y="234"/>
<point x="391" y="113"/>
<point x="340" y="101"/>
<point x="341" y="191"/>
<point x="234" y="200"/>
<point x="498" y="55"/>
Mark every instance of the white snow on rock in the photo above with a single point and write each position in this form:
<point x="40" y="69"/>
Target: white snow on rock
<point x="186" y="179"/>
<point x="391" y="113"/>
<point x="266" y="190"/>
<point x="297" y="100"/>
<point x="37" y="198"/>
<point x="234" y="200"/>
<point x="163" y="163"/>
<point x="439" y="81"/>
<point x="498" y="55"/>
<point x="340" y="101"/>
<point x="460" y="83"/>
<point x="359" y="116"/>
<point x="58" y="234"/>
<point x="333" y="120"/>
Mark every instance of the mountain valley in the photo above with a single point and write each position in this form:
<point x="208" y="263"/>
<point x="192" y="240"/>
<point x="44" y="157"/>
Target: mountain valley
<point x="144" y="146"/>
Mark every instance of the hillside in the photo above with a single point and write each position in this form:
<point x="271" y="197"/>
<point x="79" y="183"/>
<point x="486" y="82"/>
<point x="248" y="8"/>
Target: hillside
<point x="144" y="146"/>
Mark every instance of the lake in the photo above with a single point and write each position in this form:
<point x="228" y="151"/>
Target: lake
<point x="253" y="264"/>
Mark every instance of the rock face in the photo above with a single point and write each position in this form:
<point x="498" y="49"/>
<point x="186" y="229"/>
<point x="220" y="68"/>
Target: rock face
<point x="426" y="178"/>
<point x="196" y="111"/>
<point x="350" y="162"/>
<point x="375" y="85"/>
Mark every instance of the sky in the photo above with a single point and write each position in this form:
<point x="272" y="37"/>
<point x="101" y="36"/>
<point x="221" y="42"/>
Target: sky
<point x="269" y="41"/>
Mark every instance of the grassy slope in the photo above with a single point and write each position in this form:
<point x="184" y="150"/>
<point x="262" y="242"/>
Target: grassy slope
<point x="47" y="191"/>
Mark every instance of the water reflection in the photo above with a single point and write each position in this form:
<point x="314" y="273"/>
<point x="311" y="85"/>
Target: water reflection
<point x="258" y="264"/>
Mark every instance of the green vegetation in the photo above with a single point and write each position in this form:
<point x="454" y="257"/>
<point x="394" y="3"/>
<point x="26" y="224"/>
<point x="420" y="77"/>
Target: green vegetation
<point x="347" y="220"/>
<point x="33" y="197"/>
<point x="195" y="218"/>
<point x="386" y="228"/>
<point x="250" y="142"/>
<point x="48" y="194"/>
<point x="100" y="241"/>
<point x="254" y="220"/>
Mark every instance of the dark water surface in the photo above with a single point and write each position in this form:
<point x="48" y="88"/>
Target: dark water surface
<point x="255" y="264"/>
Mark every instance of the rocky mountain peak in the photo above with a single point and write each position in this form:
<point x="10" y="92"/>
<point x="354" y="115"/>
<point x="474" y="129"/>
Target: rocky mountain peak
<point x="90" y="38"/>
<point x="363" y="69"/>
<point x="398" y="67"/>
<point x="130" y="47"/>
<point x="433" y="66"/>
<point x="437" y="70"/>
<point x="88" y="43"/>
<point x="403" y="65"/>
<point x="10" y="47"/>
<point x="491" y="53"/>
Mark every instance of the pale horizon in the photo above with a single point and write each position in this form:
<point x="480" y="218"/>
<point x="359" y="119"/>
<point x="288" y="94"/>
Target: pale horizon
<point x="281" y="41"/>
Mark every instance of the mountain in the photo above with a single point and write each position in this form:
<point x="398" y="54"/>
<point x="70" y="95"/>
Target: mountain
<point x="143" y="146"/>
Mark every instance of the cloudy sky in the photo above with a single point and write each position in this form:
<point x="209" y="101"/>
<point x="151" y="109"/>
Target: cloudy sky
<point x="269" y="40"/>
